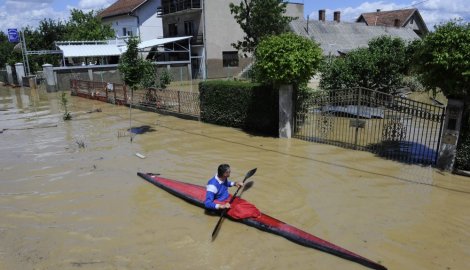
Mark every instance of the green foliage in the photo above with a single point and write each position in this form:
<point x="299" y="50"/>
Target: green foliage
<point x="64" y="103"/>
<point x="286" y="59"/>
<point x="87" y="26"/>
<point x="413" y="83"/>
<point x="462" y="159"/>
<point x="443" y="59"/>
<point x="136" y="71"/>
<point x="5" y="50"/>
<point x="239" y="104"/>
<point x="149" y="77"/>
<point x="81" y="26"/>
<point x="130" y="65"/>
<point x="259" y="19"/>
<point x="380" y="66"/>
<point x="165" y="79"/>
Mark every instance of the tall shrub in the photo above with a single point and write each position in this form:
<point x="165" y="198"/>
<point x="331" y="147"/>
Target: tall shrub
<point x="286" y="59"/>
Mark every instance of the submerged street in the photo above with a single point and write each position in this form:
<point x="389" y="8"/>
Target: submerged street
<point x="70" y="197"/>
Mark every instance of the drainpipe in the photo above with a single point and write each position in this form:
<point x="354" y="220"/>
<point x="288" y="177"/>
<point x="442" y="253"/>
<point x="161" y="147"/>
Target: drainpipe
<point x="205" y="39"/>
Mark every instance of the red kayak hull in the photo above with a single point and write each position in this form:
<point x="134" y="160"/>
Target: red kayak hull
<point x="196" y="194"/>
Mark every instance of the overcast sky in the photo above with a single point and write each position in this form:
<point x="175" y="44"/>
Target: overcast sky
<point x="21" y="13"/>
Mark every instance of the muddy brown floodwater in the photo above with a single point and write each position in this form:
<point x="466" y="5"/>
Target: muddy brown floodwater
<point x="63" y="206"/>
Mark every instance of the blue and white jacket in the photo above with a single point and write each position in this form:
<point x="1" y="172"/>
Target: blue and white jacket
<point x="216" y="190"/>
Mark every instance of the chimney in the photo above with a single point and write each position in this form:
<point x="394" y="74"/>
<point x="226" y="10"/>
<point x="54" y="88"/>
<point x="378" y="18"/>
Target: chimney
<point x="337" y="16"/>
<point x="396" y="23"/>
<point x="321" y="15"/>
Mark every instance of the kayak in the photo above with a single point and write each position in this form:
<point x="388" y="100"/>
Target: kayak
<point x="196" y="195"/>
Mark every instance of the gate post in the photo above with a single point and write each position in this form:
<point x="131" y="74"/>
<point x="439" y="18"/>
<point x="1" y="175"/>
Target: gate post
<point x="285" y="111"/>
<point x="19" y="67"/>
<point x="50" y="78"/>
<point x="9" y="74"/>
<point x="450" y="134"/>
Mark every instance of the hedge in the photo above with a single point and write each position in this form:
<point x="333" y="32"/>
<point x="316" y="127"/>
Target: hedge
<point x="239" y="104"/>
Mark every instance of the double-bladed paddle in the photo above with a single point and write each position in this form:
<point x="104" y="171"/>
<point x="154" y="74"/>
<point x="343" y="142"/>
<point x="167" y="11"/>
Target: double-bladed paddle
<point x="248" y="175"/>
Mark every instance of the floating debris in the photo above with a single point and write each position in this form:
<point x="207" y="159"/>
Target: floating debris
<point x="140" y="155"/>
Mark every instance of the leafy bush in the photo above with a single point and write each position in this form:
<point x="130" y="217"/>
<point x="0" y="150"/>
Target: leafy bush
<point x="246" y="105"/>
<point x="413" y="83"/>
<point x="286" y="59"/>
<point x="380" y="66"/>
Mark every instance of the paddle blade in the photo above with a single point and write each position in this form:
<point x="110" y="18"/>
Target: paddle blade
<point x="250" y="174"/>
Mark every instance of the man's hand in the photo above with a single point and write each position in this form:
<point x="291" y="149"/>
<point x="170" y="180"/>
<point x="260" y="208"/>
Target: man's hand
<point x="224" y="206"/>
<point x="239" y="184"/>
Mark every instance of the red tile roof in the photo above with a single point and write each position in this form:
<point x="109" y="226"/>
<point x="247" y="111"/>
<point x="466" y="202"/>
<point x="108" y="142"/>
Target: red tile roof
<point x="121" y="7"/>
<point x="387" y="18"/>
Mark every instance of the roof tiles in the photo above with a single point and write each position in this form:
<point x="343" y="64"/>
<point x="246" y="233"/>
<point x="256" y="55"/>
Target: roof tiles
<point x="121" y="7"/>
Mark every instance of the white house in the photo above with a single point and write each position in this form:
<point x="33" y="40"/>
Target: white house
<point x="134" y="18"/>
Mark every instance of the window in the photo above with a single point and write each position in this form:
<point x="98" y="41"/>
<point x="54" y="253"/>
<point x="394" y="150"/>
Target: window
<point x="126" y="32"/>
<point x="230" y="59"/>
<point x="188" y="28"/>
<point x="172" y="30"/>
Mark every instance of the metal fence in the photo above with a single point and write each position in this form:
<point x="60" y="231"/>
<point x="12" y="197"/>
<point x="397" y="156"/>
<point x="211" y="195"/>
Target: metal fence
<point x="390" y="126"/>
<point x="180" y="103"/>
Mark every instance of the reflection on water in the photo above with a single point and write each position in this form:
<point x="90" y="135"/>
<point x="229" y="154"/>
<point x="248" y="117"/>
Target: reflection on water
<point x="64" y="206"/>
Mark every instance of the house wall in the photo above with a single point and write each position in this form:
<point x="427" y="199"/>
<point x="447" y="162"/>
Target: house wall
<point x="412" y="23"/>
<point x="221" y="31"/>
<point x="120" y="22"/>
<point x="149" y="26"/>
<point x="295" y="10"/>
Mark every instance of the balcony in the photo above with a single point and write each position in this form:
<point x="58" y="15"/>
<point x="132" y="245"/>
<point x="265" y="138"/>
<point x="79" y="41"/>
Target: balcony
<point x="172" y="6"/>
<point x="197" y="39"/>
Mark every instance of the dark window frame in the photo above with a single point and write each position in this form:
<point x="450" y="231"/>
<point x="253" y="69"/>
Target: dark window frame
<point x="230" y="59"/>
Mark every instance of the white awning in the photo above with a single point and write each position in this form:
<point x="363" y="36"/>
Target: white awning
<point x="90" y="50"/>
<point x="160" y="41"/>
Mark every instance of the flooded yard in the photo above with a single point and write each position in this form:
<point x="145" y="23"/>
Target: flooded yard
<point x="70" y="197"/>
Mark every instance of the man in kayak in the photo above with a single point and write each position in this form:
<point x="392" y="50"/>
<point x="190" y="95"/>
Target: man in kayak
<point x="218" y="197"/>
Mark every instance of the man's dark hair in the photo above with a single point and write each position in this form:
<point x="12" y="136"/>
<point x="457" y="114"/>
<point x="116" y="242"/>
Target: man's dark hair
<point x="222" y="169"/>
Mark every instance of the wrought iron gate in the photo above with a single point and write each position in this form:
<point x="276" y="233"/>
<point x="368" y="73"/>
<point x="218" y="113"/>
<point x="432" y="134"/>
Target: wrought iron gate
<point x="390" y="126"/>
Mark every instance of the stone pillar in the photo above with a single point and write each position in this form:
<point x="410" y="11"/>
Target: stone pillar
<point x="19" y="67"/>
<point x="190" y="72"/>
<point x="450" y="134"/>
<point x="286" y="108"/>
<point x="9" y="74"/>
<point x="90" y="74"/>
<point x="50" y="78"/>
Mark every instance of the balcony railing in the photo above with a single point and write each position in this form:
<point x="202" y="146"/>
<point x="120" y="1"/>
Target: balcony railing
<point x="171" y="6"/>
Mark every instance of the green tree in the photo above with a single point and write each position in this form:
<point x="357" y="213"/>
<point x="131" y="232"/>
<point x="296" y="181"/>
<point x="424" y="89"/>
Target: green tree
<point x="259" y="19"/>
<point x="286" y="59"/>
<point x="130" y="65"/>
<point x="443" y="63"/>
<point x="380" y="66"/>
<point x="87" y="26"/>
<point x="443" y="59"/>
<point x="5" y="50"/>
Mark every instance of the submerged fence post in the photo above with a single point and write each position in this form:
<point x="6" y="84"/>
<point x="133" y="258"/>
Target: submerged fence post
<point x="285" y="111"/>
<point x="19" y="67"/>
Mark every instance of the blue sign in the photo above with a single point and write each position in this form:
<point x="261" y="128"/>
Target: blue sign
<point x="13" y="35"/>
